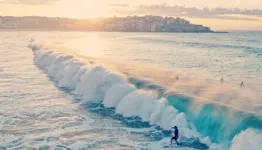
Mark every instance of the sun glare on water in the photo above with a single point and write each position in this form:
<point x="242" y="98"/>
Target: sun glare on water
<point x="89" y="45"/>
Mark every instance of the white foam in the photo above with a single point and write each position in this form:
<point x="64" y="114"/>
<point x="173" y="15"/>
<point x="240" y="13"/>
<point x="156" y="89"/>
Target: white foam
<point x="70" y="71"/>
<point x="247" y="140"/>
<point x="96" y="83"/>
<point x="116" y="93"/>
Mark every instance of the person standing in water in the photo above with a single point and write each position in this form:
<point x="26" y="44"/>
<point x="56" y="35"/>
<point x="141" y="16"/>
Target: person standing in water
<point x="222" y="80"/>
<point x="176" y="132"/>
<point x="242" y="84"/>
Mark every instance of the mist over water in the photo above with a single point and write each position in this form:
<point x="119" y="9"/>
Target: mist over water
<point x="139" y="85"/>
<point x="235" y="56"/>
<point x="199" y="60"/>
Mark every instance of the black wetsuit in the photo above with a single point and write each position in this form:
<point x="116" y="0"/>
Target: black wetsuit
<point x="176" y="132"/>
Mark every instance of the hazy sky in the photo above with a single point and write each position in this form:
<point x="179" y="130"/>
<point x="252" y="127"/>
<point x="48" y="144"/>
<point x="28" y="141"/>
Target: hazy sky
<point x="218" y="14"/>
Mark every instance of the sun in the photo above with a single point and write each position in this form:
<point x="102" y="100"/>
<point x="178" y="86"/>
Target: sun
<point x="81" y="8"/>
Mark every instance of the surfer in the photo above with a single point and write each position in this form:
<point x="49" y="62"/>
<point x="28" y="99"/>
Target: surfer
<point x="222" y="80"/>
<point x="176" y="132"/>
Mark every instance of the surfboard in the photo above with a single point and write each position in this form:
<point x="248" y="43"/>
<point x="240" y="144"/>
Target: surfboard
<point x="171" y="146"/>
<point x="186" y="145"/>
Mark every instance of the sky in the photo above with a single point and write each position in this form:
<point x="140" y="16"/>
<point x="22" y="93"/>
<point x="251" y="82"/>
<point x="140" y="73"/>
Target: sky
<point x="217" y="14"/>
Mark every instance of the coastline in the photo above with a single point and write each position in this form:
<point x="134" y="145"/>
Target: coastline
<point x="66" y="30"/>
<point x="145" y="23"/>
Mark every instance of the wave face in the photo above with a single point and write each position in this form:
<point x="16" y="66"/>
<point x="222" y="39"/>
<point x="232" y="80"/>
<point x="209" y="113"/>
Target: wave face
<point x="217" y="126"/>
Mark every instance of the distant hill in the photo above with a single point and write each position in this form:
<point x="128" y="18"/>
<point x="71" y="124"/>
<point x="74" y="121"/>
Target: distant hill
<point x="117" y="24"/>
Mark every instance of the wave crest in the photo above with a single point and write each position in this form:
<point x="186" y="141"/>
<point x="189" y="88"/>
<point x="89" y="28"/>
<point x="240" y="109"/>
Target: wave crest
<point x="97" y="83"/>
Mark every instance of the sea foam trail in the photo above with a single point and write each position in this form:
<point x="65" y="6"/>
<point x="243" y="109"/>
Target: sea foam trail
<point x="95" y="82"/>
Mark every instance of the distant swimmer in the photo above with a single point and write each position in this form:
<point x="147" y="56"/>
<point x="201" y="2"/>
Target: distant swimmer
<point x="222" y="80"/>
<point x="242" y="84"/>
<point x="177" y="78"/>
<point x="176" y="132"/>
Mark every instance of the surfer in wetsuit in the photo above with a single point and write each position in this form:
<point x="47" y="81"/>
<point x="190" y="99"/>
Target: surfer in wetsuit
<point x="176" y="132"/>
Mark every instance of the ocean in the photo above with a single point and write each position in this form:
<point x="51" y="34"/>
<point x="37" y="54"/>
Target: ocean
<point x="111" y="90"/>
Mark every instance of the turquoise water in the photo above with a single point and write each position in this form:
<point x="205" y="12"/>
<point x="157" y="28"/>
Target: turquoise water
<point x="97" y="90"/>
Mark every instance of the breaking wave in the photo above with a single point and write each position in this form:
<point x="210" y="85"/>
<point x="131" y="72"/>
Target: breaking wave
<point x="216" y="125"/>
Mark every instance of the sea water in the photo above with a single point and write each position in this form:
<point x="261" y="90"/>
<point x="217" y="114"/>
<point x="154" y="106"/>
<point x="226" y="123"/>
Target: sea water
<point x="95" y="90"/>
